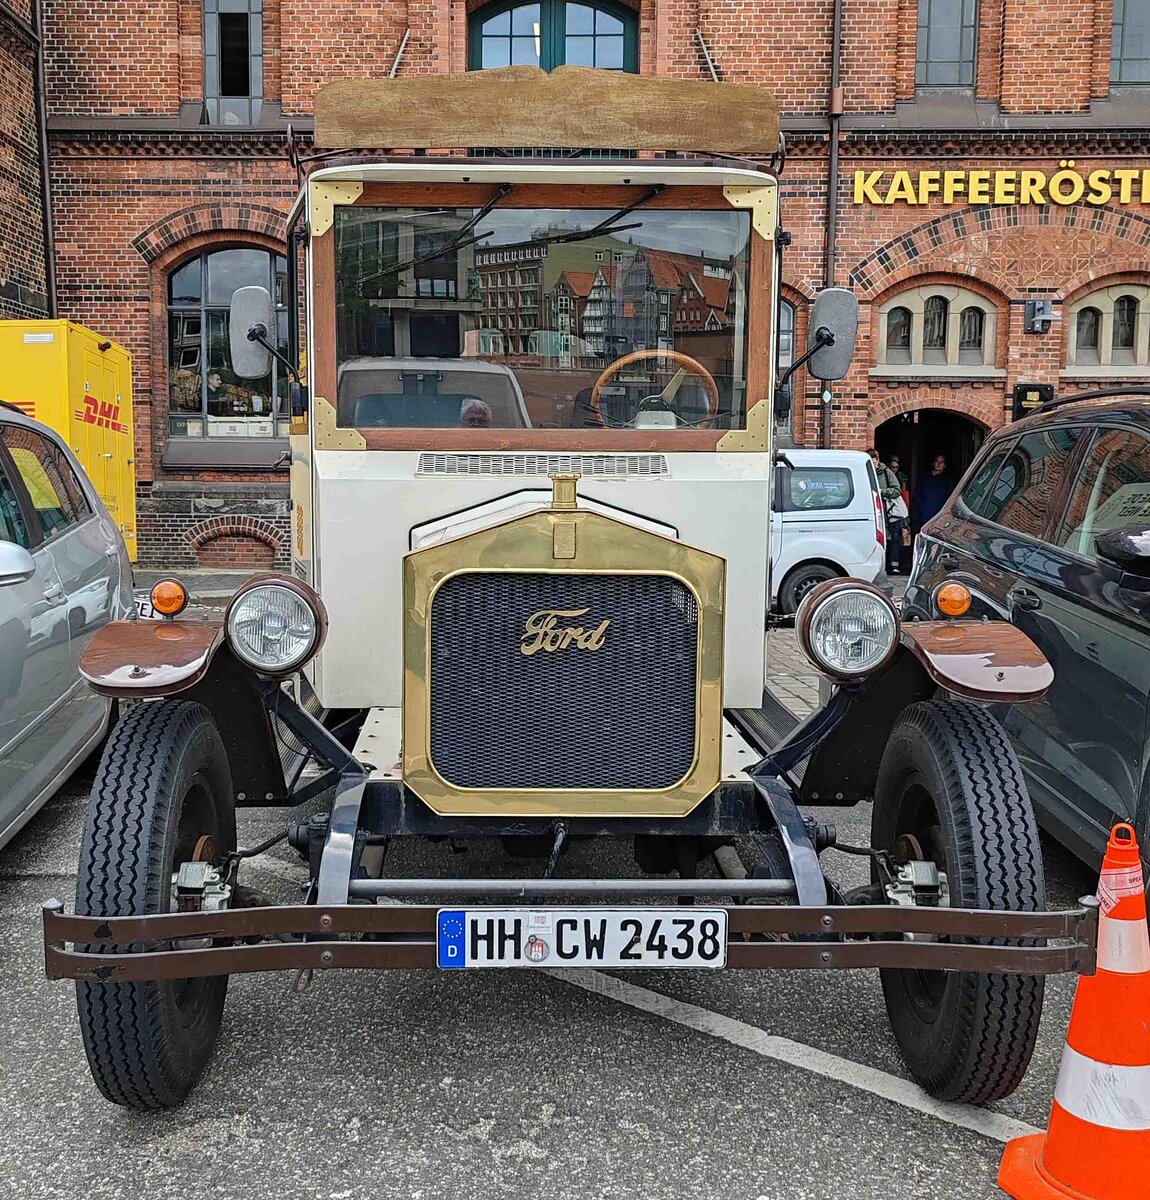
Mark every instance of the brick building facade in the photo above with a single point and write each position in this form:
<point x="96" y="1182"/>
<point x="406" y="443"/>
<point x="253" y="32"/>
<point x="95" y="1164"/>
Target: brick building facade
<point x="990" y="153"/>
<point x="24" y="284"/>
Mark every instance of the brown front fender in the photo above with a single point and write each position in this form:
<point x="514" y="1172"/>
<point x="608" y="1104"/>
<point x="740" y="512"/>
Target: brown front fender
<point x="987" y="661"/>
<point x="142" y="659"/>
<point x="980" y="660"/>
<point x="149" y="660"/>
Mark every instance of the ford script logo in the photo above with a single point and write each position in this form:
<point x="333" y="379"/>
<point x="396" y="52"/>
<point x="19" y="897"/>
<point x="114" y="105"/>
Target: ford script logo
<point x="544" y="632"/>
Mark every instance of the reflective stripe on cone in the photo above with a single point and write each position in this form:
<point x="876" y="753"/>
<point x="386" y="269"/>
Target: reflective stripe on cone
<point x="1123" y="946"/>
<point x="1102" y="1093"/>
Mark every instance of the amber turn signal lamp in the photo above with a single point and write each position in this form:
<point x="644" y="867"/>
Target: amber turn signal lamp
<point x="169" y="597"/>
<point x="953" y="599"/>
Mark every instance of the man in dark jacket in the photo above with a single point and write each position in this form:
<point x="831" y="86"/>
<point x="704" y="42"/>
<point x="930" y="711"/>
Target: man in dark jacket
<point x="932" y="493"/>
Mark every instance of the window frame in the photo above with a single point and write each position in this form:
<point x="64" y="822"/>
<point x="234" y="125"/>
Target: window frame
<point x="553" y="31"/>
<point x="949" y="362"/>
<point x="213" y="97"/>
<point x="1117" y="59"/>
<point x="203" y="306"/>
<point x="1111" y="360"/>
<point x="922" y="59"/>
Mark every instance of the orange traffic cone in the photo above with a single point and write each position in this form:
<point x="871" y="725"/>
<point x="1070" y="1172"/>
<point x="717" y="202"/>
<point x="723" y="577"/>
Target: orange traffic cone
<point x="1097" y="1146"/>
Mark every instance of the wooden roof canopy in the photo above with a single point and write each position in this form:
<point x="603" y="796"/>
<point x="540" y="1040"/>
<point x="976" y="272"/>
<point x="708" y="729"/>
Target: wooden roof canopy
<point x="524" y="106"/>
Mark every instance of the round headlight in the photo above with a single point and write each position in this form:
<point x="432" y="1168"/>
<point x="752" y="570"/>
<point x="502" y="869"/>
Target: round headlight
<point x="847" y="628"/>
<point x="274" y="627"/>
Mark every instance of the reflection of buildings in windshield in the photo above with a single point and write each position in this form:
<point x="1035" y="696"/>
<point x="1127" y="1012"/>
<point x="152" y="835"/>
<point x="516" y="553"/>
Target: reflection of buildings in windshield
<point x="557" y="314"/>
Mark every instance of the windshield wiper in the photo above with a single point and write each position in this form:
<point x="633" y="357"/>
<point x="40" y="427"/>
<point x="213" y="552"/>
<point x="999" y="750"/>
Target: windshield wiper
<point x="605" y="227"/>
<point x="464" y="237"/>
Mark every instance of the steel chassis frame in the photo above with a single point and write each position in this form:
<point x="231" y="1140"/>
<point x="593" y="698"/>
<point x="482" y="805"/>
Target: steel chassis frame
<point x="342" y="926"/>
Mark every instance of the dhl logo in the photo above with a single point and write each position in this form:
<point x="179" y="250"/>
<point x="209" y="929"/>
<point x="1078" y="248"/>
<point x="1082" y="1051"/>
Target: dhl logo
<point x="105" y="414"/>
<point x="27" y="407"/>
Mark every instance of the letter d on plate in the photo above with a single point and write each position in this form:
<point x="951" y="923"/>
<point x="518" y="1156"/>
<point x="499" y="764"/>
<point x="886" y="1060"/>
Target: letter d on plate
<point x="450" y="939"/>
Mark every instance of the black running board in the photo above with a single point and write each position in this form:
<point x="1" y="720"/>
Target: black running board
<point x="766" y="727"/>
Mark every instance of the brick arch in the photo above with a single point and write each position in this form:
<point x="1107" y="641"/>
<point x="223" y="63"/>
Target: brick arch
<point x="204" y="222"/>
<point x="1099" y="282"/>
<point x="930" y="245"/>
<point x="228" y="543"/>
<point x="797" y="291"/>
<point x="982" y="410"/>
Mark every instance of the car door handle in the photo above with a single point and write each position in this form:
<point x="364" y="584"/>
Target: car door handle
<point x="948" y="560"/>
<point x="1024" y="598"/>
<point x="53" y="591"/>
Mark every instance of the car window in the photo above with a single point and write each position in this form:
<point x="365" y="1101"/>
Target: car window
<point x="1112" y="489"/>
<point x="13" y="527"/>
<point x="977" y="490"/>
<point x="1030" y="479"/>
<point x="807" y="489"/>
<point x="52" y="485"/>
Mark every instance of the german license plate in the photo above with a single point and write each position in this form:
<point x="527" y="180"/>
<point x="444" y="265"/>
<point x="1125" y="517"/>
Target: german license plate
<point x="581" y="937"/>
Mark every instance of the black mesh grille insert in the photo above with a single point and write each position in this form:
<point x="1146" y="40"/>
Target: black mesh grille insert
<point x="619" y="716"/>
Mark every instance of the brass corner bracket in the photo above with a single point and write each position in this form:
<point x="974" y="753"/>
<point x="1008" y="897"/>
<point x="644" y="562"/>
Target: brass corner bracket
<point x="763" y="202"/>
<point x="324" y="198"/>
<point x="328" y="434"/>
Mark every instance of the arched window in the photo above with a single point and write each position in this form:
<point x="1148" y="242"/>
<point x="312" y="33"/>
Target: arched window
<point x="934" y="315"/>
<point x="1125" y="325"/>
<point x="206" y="398"/>
<point x="552" y="33"/>
<point x="971" y="326"/>
<point x="937" y="329"/>
<point x="898" y="335"/>
<point x="1108" y="332"/>
<point x="786" y="334"/>
<point x="1087" y="329"/>
<point x="786" y="355"/>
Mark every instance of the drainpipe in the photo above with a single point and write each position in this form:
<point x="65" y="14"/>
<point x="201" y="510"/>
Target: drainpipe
<point x="45" y="175"/>
<point x="834" y="114"/>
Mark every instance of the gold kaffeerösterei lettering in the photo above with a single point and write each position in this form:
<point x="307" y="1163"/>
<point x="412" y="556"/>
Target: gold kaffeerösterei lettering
<point x="1025" y="185"/>
<point x="542" y="631"/>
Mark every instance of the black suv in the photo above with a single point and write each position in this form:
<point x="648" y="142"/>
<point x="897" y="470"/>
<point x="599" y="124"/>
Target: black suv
<point x="1050" y="530"/>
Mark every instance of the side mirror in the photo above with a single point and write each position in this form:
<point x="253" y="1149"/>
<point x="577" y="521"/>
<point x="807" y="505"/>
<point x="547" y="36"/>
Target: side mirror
<point x="251" y="312"/>
<point x="831" y="333"/>
<point x="16" y="564"/>
<point x="1127" y="548"/>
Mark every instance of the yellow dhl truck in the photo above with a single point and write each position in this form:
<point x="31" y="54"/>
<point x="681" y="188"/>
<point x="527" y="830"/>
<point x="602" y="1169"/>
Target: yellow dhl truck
<point x="80" y="384"/>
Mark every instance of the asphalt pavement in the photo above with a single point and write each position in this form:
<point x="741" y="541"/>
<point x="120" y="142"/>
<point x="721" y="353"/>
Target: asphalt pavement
<point x="749" y="1085"/>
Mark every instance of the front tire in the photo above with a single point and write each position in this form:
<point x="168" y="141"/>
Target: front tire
<point x="950" y="779"/>
<point x="799" y="582"/>
<point x="163" y="783"/>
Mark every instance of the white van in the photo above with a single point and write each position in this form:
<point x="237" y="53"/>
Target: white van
<point x="826" y="520"/>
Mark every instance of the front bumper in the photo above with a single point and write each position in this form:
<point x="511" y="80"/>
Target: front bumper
<point x="401" y="935"/>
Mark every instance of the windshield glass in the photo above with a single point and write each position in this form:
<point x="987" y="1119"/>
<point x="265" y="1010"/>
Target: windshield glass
<point x="510" y="322"/>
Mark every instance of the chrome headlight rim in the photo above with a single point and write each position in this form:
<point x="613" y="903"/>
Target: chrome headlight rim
<point x="301" y="590"/>
<point x="813" y="603"/>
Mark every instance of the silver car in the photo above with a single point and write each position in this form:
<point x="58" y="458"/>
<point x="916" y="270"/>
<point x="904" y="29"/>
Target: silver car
<point x="64" y="573"/>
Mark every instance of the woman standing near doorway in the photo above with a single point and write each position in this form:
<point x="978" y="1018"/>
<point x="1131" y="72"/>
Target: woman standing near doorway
<point x="890" y="488"/>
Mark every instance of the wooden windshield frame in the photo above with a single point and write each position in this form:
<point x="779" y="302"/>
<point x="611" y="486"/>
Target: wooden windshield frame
<point x="753" y="434"/>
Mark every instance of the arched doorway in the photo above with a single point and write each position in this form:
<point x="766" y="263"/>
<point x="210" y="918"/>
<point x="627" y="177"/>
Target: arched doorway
<point x="918" y="437"/>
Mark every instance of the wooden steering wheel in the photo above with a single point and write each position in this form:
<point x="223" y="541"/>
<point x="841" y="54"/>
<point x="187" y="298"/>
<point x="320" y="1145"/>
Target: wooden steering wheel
<point x="686" y="363"/>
